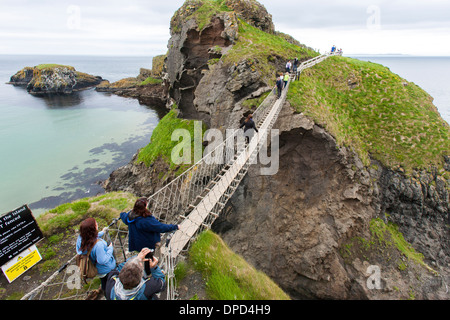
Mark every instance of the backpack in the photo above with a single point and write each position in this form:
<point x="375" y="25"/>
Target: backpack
<point x="88" y="270"/>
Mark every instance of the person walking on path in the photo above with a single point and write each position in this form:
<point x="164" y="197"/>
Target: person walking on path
<point x="144" y="230"/>
<point x="279" y="86"/>
<point x="286" y="79"/>
<point x="296" y="64"/>
<point x="100" y="253"/>
<point x="248" y="125"/>
<point x="288" y="66"/>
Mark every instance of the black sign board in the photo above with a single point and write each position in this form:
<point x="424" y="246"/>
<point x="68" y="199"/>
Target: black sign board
<point x="18" y="231"/>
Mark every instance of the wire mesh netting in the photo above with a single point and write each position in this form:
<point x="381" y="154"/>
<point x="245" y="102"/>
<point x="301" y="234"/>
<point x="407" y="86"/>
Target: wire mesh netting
<point x="193" y="201"/>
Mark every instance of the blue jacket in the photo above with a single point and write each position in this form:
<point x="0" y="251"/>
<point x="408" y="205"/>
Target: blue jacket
<point x="144" y="232"/>
<point x="101" y="254"/>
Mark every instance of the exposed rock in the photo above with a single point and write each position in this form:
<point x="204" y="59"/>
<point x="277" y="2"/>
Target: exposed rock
<point x="22" y="77"/>
<point x="152" y="94"/>
<point x="54" y="79"/>
<point x="253" y="12"/>
<point x="158" y="68"/>
<point x="189" y="55"/>
<point x="290" y="224"/>
<point x="295" y="224"/>
<point x="420" y="207"/>
<point x="139" y="179"/>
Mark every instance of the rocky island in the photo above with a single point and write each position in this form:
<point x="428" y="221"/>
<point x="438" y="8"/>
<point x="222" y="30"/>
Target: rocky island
<point x="53" y="79"/>
<point x="364" y="159"/>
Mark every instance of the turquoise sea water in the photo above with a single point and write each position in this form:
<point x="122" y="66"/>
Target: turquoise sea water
<point x="56" y="149"/>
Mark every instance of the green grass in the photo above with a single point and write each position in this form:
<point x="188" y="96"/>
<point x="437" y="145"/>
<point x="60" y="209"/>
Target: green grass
<point x="255" y="102"/>
<point x="228" y="275"/>
<point x="385" y="240"/>
<point x="200" y="10"/>
<point x="388" y="234"/>
<point x="379" y="117"/>
<point x="262" y="49"/>
<point x="68" y="215"/>
<point x="51" y="66"/>
<point x="161" y="144"/>
<point x="150" y="80"/>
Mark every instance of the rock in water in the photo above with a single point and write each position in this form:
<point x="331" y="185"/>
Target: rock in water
<point x="53" y="79"/>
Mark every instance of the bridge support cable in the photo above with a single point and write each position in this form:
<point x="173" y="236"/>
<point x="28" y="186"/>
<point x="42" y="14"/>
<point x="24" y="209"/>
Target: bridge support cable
<point x="194" y="200"/>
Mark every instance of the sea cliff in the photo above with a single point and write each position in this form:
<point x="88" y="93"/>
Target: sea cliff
<point x="359" y="208"/>
<point x="353" y="190"/>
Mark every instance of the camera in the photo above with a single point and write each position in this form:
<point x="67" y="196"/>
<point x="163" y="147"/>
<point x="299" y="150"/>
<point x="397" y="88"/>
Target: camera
<point x="150" y="254"/>
<point x="147" y="262"/>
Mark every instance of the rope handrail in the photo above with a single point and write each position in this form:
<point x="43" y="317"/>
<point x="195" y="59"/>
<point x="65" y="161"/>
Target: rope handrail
<point x="227" y="175"/>
<point x="206" y="156"/>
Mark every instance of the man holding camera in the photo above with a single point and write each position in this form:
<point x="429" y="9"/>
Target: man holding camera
<point x="130" y="282"/>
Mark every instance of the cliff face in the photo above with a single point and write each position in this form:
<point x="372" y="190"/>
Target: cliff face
<point x="147" y="87"/>
<point x="326" y="219"/>
<point x="309" y="226"/>
<point x="209" y="70"/>
<point x="202" y="82"/>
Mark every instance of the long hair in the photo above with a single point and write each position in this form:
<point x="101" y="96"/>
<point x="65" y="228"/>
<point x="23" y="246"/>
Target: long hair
<point x="88" y="233"/>
<point x="140" y="208"/>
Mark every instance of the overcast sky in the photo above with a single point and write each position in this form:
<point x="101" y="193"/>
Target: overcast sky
<point x="138" y="27"/>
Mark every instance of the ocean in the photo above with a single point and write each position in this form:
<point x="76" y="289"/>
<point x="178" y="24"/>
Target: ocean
<point x="57" y="149"/>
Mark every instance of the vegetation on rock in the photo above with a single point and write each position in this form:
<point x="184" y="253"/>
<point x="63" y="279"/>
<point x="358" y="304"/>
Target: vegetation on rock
<point x="53" y="79"/>
<point x="228" y="276"/>
<point x="379" y="114"/>
<point x="161" y="144"/>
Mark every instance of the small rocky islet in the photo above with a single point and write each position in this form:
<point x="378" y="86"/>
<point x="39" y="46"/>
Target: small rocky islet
<point x="53" y="79"/>
<point x="56" y="79"/>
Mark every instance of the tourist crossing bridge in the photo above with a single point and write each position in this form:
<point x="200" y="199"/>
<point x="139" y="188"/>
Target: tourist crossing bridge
<point x="194" y="200"/>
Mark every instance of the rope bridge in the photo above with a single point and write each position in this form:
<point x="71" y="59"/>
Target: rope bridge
<point x="194" y="200"/>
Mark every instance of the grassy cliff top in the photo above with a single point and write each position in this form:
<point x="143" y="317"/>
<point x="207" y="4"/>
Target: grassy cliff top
<point x="227" y="275"/>
<point x="379" y="114"/>
<point x="263" y="50"/>
<point x="50" y="66"/>
<point x="200" y="10"/>
<point x="162" y="145"/>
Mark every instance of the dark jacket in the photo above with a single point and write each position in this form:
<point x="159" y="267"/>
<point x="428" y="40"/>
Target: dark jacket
<point x="280" y="84"/>
<point x="250" y="124"/>
<point x="144" y="232"/>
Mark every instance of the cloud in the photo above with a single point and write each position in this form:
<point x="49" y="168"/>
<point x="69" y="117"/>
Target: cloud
<point x="416" y="27"/>
<point x="141" y="27"/>
<point x="101" y="27"/>
<point x="354" y="14"/>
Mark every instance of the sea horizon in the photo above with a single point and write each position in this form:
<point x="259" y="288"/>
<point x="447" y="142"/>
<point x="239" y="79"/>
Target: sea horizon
<point x="74" y="181"/>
